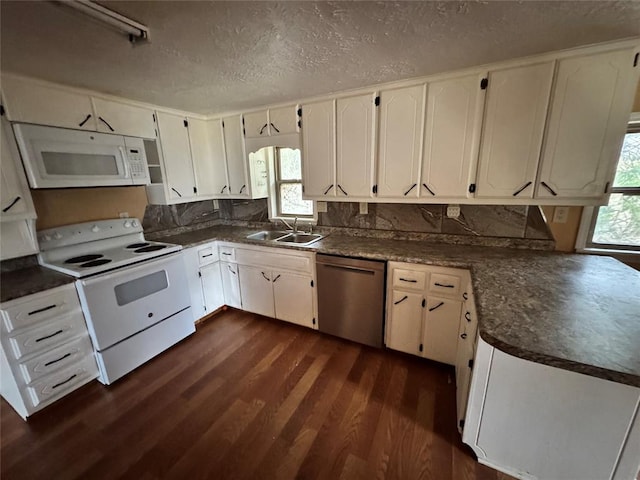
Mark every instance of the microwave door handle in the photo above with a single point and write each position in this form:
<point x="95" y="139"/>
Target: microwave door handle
<point x="125" y="161"/>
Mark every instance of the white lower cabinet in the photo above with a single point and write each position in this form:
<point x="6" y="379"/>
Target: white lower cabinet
<point x="230" y="284"/>
<point x="212" y="290"/>
<point x="423" y="310"/>
<point x="466" y="350"/>
<point x="534" y="421"/>
<point x="46" y="350"/>
<point x="273" y="282"/>
<point x="205" y="279"/>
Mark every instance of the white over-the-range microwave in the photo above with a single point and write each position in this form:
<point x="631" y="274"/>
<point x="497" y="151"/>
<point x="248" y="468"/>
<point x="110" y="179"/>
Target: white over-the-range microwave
<point x="59" y="157"/>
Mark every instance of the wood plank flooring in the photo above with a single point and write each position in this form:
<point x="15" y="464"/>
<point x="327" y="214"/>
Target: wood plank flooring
<point x="248" y="397"/>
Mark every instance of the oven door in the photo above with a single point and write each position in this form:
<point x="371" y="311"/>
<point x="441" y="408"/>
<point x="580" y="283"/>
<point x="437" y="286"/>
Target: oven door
<point x="121" y="303"/>
<point x="58" y="157"/>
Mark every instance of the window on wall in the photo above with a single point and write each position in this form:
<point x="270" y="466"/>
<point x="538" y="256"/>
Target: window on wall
<point x="288" y="185"/>
<point x="616" y="226"/>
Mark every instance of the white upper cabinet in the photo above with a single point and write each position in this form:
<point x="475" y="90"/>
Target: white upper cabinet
<point x="236" y="159"/>
<point x="124" y="119"/>
<point x="47" y="104"/>
<point x="451" y="137"/>
<point x="515" y="113"/>
<point x="319" y="149"/>
<point x="283" y="120"/>
<point x="590" y="109"/>
<point x="399" y="141"/>
<point x="176" y="152"/>
<point x="356" y="122"/>
<point x="256" y="124"/>
<point x="207" y="153"/>
<point x="15" y="197"/>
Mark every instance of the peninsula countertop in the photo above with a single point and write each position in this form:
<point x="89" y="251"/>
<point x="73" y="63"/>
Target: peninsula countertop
<point x="575" y="312"/>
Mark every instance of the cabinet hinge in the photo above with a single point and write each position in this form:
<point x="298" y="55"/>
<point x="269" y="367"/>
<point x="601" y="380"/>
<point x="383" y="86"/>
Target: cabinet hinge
<point x="312" y="283"/>
<point x="199" y="274"/>
<point x="186" y="124"/>
<point x="156" y="130"/>
<point x="470" y="363"/>
<point x="484" y="83"/>
<point x="375" y="189"/>
<point x="635" y="60"/>
<point x="243" y="121"/>
<point x="377" y="101"/>
<point x="461" y="423"/>
<point x="154" y="118"/>
<point x="244" y="132"/>
<point x="222" y="123"/>
<point x="314" y="321"/>
<point x="1" y="110"/>
<point x="195" y="190"/>
<point x="302" y="188"/>
<point x="424" y="303"/>
<point x="606" y="188"/>
<point x="300" y="111"/>
<point x="472" y="188"/>
<point x="420" y="347"/>
<point x="299" y="123"/>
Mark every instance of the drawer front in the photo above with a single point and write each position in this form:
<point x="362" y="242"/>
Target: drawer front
<point x="60" y="383"/>
<point x="207" y="255"/>
<point x="49" y="335"/>
<point x="56" y="359"/>
<point x="41" y="306"/>
<point x="227" y="254"/>
<point x="276" y="260"/>
<point x="443" y="284"/>
<point x="409" y="279"/>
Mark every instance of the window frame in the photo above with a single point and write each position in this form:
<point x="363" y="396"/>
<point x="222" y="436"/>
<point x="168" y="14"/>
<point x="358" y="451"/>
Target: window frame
<point x="584" y="240"/>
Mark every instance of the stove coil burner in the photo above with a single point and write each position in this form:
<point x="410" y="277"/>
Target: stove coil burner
<point x="96" y="263"/>
<point x="84" y="258"/>
<point x="151" y="248"/>
<point x="137" y="245"/>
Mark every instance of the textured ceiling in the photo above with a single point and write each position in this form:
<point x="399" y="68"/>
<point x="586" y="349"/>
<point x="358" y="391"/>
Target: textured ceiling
<point x="212" y="57"/>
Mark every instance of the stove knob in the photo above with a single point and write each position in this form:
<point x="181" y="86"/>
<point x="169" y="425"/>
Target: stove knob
<point x="135" y="223"/>
<point x="57" y="236"/>
<point x="127" y="224"/>
<point x="95" y="228"/>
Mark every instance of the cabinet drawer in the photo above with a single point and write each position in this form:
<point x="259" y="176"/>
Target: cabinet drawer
<point x="52" y="333"/>
<point x="443" y="284"/>
<point x="56" y="359"/>
<point x="409" y="279"/>
<point x="227" y="254"/>
<point x="207" y="255"/>
<point x="60" y="383"/>
<point x="275" y="259"/>
<point x="39" y="307"/>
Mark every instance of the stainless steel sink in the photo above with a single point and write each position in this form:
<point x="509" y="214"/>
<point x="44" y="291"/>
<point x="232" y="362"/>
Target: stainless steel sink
<point x="300" y="238"/>
<point x="267" y="235"/>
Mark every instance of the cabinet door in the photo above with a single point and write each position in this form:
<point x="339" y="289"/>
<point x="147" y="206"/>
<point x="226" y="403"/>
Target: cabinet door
<point x="191" y="262"/>
<point x="399" y="141"/>
<point x="256" y="124"/>
<point x="257" y="292"/>
<point x="293" y="298"/>
<point x="124" y="119"/>
<point x="590" y="109"/>
<point x="207" y="151"/>
<point x="236" y="161"/>
<point x="452" y="137"/>
<point x="355" y="121"/>
<point x="319" y="149"/>
<point x="230" y="284"/>
<point x="15" y="198"/>
<point x="47" y="105"/>
<point x="283" y="120"/>
<point x="516" y="109"/>
<point x="212" y="290"/>
<point x="440" y="335"/>
<point x="404" y="325"/>
<point x="176" y="151"/>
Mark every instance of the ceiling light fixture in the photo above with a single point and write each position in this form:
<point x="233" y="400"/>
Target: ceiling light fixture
<point x="135" y="30"/>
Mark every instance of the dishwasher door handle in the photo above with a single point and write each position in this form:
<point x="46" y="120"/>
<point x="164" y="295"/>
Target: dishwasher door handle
<point x="347" y="267"/>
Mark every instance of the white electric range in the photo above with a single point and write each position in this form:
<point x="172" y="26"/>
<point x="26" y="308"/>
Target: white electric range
<point x="133" y="292"/>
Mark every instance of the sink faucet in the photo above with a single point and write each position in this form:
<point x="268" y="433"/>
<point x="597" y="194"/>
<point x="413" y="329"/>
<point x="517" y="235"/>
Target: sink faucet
<point x="287" y="224"/>
<point x="295" y="224"/>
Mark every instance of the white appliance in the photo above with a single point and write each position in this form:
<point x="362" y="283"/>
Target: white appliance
<point x="134" y="293"/>
<point x="60" y="158"/>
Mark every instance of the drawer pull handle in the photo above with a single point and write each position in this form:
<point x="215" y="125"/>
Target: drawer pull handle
<point x="274" y="127"/>
<point x="58" y="360"/>
<point x="66" y="381"/>
<point x="408" y="280"/>
<point x="265" y="277"/>
<point x="401" y="300"/>
<point x="207" y="255"/>
<point x="465" y="296"/>
<point x="49" y="336"/>
<point x="81" y="124"/>
<point x="10" y="206"/>
<point x="262" y="129"/>
<point x="106" y="123"/>
<point x="44" y="309"/>
<point x="444" y="285"/>
<point x="467" y="315"/>
<point x="463" y="336"/>
<point x="226" y="253"/>
<point x="436" y="307"/>
<point x="520" y="190"/>
<point x="274" y="280"/>
<point x="328" y="188"/>
<point x="412" y="187"/>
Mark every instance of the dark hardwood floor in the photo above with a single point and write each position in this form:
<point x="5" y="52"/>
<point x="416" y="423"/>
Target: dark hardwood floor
<point x="249" y="397"/>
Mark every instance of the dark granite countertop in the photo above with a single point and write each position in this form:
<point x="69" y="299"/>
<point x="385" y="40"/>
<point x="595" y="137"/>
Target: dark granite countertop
<point x="33" y="279"/>
<point x="576" y="312"/>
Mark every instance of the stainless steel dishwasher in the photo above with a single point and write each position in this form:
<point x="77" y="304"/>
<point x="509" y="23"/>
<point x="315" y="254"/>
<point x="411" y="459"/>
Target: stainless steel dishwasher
<point x="351" y="298"/>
